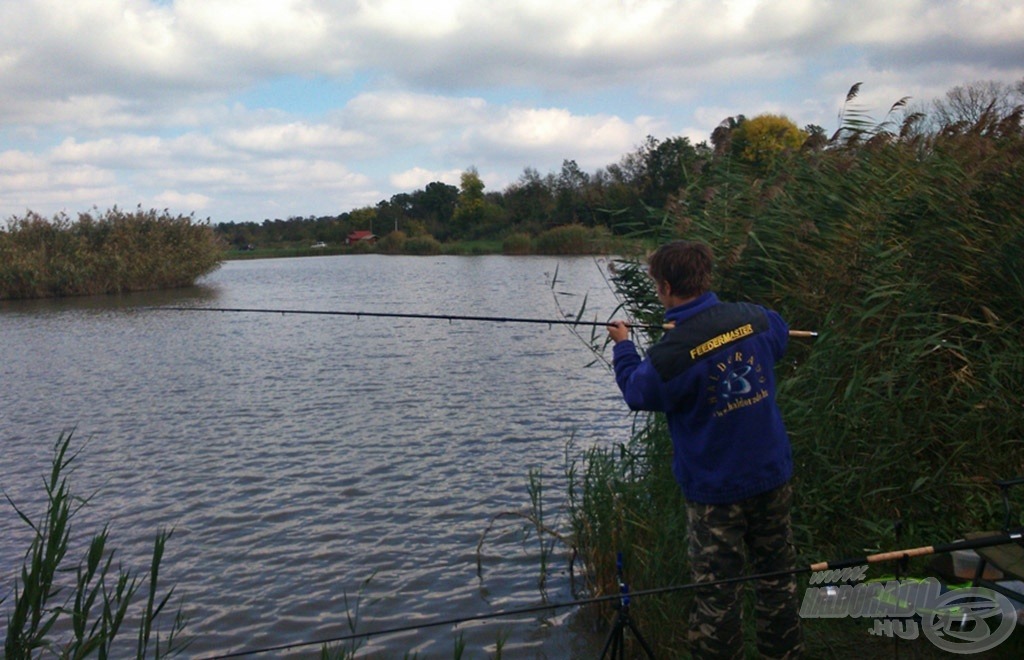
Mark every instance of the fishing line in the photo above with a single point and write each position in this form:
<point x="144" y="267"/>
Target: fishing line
<point x="1001" y="538"/>
<point x="504" y="613"/>
<point x="442" y="317"/>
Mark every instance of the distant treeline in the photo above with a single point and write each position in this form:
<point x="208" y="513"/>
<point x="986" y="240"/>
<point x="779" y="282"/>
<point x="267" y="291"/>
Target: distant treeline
<point x="110" y="252"/>
<point x="613" y="200"/>
<point x="902" y="243"/>
<point x="629" y="196"/>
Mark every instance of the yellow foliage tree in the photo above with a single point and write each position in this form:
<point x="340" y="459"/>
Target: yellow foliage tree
<point x="760" y="140"/>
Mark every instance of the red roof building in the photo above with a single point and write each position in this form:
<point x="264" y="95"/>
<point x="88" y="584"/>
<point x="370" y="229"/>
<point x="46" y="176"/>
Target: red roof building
<point x="360" y="236"/>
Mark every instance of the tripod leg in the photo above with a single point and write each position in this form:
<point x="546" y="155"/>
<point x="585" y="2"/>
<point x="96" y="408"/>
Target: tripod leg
<point x="614" y="641"/>
<point x="641" y="640"/>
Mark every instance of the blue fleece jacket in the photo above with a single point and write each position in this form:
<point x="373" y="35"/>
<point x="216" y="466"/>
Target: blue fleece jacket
<point x="713" y="376"/>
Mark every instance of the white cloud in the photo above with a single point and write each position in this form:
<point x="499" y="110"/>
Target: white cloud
<point x="437" y="19"/>
<point x="173" y="199"/>
<point x="898" y="24"/>
<point x="297" y="136"/>
<point x="399" y="120"/>
<point x="417" y="178"/>
<point x="111" y="101"/>
<point x="13" y="161"/>
<point x="524" y="134"/>
<point x="301" y="174"/>
<point x="283" y="27"/>
<point x="134" y="150"/>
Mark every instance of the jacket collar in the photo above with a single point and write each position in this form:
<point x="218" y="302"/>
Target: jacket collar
<point x="692" y="308"/>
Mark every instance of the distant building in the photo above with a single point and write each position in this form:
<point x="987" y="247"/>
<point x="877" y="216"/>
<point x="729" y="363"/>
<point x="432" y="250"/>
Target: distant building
<point x="361" y="237"/>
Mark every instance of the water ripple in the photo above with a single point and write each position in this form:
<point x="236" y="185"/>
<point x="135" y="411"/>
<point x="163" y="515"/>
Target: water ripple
<point x="309" y="462"/>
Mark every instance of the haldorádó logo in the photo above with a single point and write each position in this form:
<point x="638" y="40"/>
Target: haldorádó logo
<point x="959" y="621"/>
<point x="955" y="621"/>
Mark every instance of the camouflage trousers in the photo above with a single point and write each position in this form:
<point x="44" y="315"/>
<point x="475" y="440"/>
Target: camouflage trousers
<point x="726" y="539"/>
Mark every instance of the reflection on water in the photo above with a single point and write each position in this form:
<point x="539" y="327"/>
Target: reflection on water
<point x="199" y="294"/>
<point x="300" y="457"/>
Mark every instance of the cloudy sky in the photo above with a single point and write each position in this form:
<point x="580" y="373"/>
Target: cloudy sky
<point x="249" y="109"/>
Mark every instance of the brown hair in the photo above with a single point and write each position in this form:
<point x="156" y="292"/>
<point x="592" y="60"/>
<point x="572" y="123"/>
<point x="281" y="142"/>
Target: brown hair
<point x="684" y="265"/>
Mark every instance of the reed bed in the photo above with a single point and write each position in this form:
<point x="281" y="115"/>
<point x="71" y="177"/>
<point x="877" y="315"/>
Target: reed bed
<point x="110" y="252"/>
<point x="905" y="251"/>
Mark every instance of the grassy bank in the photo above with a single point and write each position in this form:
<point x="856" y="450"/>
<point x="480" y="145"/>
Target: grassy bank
<point x="112" y="252"/>
<point x="281" y="252"/>
<point x="564" y="240"/>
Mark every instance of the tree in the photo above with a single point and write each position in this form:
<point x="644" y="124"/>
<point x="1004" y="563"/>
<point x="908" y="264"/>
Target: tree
<point x="529" y="202"/>
<point x="762" y="139"/>
<point x="388" y="216"/>
<point x="238" y="234"/>
<point x="721" y="137"/>
<point x="665" y="168"/>
<point x="403" y="203"/>
<point x="817" y="138"/>
<point x="968" y="104"/>
<point x="435" y="205"/>
<point x="363" y="218"/>
<point x="474" y="213"/>
<point x="647" y="178"/>
<point x="570" y="195"/>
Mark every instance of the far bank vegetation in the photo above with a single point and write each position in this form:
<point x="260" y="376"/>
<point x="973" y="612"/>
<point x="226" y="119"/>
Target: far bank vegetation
<point x="575" y="211"/>
<point x="110" y="252"/>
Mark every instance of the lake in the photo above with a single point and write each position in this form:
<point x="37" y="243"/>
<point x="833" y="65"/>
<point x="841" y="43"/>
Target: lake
<point x="311" y="463"/>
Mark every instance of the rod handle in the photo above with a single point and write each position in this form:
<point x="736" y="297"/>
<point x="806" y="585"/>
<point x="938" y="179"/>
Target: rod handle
<point x="875" y="559"/>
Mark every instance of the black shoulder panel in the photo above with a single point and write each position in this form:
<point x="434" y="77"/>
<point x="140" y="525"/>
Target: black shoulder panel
<point x="706" y="333"/>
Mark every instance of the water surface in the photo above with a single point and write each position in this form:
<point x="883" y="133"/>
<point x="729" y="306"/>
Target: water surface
<point x="308" y="460"/>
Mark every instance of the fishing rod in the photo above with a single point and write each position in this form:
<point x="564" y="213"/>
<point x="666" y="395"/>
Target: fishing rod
<point x="996" y="538"/>
<point x="442" y="317"/>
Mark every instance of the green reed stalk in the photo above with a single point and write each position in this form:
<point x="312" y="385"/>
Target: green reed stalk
<point x="97" y="603"/>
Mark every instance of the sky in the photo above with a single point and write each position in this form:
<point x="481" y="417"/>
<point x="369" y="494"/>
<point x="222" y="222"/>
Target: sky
<point x="245" y="110"/>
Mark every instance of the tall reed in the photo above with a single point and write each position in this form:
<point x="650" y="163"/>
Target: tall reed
<point x="112" y="252"/>
<point x="905" y="252"/>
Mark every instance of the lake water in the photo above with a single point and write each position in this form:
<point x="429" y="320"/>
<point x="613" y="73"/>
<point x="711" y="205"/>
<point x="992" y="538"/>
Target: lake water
<point x="303" y="460"/>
